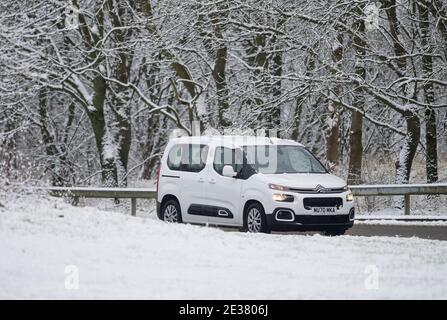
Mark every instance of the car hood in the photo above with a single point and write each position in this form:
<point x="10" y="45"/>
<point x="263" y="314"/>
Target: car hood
<point x="304" y="180"/>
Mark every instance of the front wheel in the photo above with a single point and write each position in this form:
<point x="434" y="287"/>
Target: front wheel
<point x="255" y="220"/>
<point x="171" y="212"/>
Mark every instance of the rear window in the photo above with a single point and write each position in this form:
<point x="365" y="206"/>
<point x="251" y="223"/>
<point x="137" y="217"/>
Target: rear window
<point x="188" y="157"/>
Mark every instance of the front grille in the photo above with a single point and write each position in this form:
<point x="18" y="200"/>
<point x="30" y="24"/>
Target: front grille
<point x="320" y="191"/>
<point x="324" y="220"/>
<point x="310" y="203"/>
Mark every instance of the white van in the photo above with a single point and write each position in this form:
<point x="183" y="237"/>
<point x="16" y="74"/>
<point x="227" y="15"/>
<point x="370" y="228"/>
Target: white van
<point x="258" y="184"/>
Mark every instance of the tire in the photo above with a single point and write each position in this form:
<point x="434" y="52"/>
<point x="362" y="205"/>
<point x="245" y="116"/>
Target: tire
<point x="334" y="232"/>
<point x="255" y="220"/>
<point x="170" y="212"/>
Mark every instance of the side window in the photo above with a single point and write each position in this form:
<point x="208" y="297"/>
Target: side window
<point x="197" y="155"/>
<point x="226" y="156"/>
<point x="188" y="157"/>
<point x="174" y="157"/>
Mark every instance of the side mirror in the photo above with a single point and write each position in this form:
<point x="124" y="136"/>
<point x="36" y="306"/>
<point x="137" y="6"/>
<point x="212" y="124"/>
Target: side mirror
<point x="228" y="171"/>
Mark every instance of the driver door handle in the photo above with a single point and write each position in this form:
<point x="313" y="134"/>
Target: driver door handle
<point x="212" y="181"/>
<point x="201" y="180"/>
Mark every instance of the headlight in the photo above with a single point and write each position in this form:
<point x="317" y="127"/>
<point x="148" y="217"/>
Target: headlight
<point x="278" y="187"/>
<point x="349" y="197"/>
<point x="281" y="197"/>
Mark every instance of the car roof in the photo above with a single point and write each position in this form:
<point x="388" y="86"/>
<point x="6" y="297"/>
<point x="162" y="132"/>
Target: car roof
<point x="234" y="140"/>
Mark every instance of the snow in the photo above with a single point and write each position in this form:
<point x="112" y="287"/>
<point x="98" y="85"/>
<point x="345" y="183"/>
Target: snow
<point x="420" y="209"/>
<point x="42" y="240"/>
<point x="99" y="189"/>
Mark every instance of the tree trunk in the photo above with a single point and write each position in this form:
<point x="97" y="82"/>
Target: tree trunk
<point x="122" y="127"/>
<point x="221" y="85"/>
<point x="296" y="121"/>
<point x="355" y="141"/>
<point x="431" y="145"/>
<point x="333" y="119"/>
<point x="429" y="94"/>
<point x="47" y="138"/>
<point x="117" y="136"/>
<point x="60" y="170"/>
<point x="356" y="149"/>
<point x="8" y="150"/>
<point x="96" y="116"/>
<point x="257" y="58"/>
<point x="390" y="9"/>
<point x="408" y="151"/>
<point x="277" y="66"/>
<point x="333" y="131"/>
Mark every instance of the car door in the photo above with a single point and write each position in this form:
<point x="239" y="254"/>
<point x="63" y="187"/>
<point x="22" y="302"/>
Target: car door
<point x="192" y="166"/>
<point x="224" y="193"/>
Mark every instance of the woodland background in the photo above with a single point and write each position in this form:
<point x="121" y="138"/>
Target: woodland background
<point x="90" y="89"/>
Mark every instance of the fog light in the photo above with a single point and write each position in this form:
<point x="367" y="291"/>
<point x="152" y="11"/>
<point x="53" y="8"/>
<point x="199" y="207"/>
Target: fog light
<point x="349" y="197"/>
<point x="285" y="215"/>
<point x="281" y="197"/>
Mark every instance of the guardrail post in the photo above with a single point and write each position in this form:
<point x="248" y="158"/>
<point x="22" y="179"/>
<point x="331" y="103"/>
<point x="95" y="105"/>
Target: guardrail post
<point x="407" y="204"/>
<point x="133" y="206"/>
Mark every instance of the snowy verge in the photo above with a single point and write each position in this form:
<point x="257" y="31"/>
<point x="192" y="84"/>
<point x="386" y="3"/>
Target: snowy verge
<point x="47" y="244"/>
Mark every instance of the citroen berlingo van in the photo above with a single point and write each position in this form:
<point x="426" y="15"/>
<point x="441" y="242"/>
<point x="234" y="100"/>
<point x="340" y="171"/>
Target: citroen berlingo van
<point x="255" y="183"/>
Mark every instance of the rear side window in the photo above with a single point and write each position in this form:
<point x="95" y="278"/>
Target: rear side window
<point x="174" y="157"/>
<point x="188" y="157"/>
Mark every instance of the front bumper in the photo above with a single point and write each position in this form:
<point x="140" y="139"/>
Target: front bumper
<point x="311" y="222"/>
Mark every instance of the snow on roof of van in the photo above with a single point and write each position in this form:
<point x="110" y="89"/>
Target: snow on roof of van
<point x="236" y="140"/>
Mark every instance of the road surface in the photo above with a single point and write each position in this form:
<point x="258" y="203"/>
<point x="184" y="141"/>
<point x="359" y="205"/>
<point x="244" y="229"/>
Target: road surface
<point x="433" y="232"/>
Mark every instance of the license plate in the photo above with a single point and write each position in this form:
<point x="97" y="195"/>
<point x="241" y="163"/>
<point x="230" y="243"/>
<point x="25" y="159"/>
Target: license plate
<point x="324" y="210"/>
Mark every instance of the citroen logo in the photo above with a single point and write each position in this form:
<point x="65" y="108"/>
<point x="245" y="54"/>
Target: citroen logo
<point x="319" y="188"/>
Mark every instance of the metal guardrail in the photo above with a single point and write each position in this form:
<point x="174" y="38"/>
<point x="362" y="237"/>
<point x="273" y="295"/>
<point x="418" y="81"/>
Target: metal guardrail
<point x="405" y="190"/>
<point x="149" y="193"/>
<point x="111" y="193"/>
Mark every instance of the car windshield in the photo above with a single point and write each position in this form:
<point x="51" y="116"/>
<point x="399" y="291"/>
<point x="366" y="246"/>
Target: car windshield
<point x="278" y="159"/>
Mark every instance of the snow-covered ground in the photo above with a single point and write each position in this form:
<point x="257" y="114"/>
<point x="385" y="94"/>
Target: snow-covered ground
<point x="47" y="247"/>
